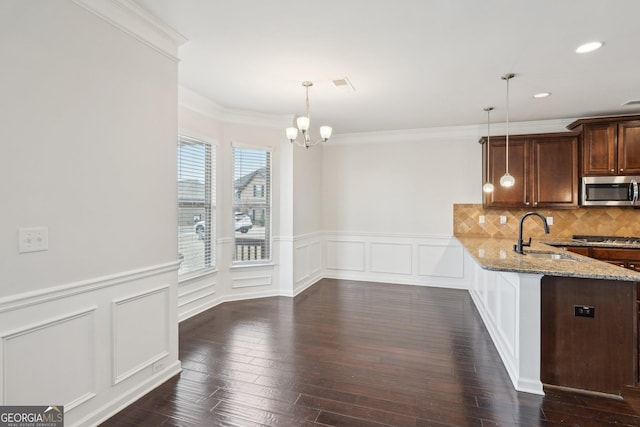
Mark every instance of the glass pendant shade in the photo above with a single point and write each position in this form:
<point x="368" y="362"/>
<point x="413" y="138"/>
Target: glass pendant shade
<point x="303" y="123"/>
<point x="325" y="132"/>
<point x="487" y="187"/>
<point x="292" y="134"/>
<point x="507" y="180"/>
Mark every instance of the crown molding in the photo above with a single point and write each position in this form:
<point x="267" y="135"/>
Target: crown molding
<point x="200" y="104"/>
<point x="192" y="100"/>
<point x="137" y="22"/>
<point x="449" y="133"/>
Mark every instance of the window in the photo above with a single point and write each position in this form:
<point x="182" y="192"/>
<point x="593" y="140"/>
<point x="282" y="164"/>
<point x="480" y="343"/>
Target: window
<point x="196" y="205"/>
<point x="252" y="204"/>
<point x="258" y="190"/>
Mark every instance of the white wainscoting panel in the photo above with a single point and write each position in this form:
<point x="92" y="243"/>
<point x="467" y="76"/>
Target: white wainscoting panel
<point x="250" y="282"/>
<point x="403" y="259"/>
<point x="301" y="263"/>
<point x="307" y="262"/>
<point x="197" y="294"/>
<point x="509" y="304"/>
<point x="51" y="362"/>
<point x="91" y="346"/>
<point x="140" y="332"/>
<point x="440" y="260"/>
<point x="315" y="258"/>
<point x="346" y="255"/>
<point x="392" y="258"/>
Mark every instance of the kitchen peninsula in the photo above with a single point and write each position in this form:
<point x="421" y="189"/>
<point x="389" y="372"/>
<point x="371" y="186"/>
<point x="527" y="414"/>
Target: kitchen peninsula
<point x="555" y="317"/>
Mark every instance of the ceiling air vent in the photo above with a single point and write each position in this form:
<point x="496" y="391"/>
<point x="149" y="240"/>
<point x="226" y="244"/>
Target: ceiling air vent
<point x="343" y="84"/>
<point x="632" y="102"/>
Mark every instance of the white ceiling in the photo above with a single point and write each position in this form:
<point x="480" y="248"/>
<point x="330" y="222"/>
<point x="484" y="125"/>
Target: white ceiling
<point x="413" y="63"/>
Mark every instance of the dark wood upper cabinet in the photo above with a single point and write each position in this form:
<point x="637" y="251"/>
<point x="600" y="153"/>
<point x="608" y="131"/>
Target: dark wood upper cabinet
<point x="610" y="145"/>
<point x="545" y="167"/>
<point x="629" y="147"/>
<point x="599" y="154"/>
<point x="518" y="160"/>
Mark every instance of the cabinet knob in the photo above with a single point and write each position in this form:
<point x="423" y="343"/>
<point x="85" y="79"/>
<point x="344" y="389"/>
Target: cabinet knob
<point x="526" y="203"/>
<point x="632" y="266"/>
<point x="621" y="170"/>
<point x="612" y="170"/>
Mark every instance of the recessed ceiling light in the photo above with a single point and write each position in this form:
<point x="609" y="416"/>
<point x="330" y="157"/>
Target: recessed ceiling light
<point x="542" y="95"/>
<point x="589" y="47"/>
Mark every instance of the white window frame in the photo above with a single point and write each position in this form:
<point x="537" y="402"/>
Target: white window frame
<point x="209" y="205"/>
<point x="268" y="194"/>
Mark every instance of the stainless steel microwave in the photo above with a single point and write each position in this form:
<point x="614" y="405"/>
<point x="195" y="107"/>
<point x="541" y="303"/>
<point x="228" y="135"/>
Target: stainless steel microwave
<point x="610" y="190"/>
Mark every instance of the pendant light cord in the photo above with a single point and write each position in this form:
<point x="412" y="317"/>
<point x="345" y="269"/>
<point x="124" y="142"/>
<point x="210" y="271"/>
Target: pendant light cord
<point x="507" y="142"/>
<point x="307" y="103"/>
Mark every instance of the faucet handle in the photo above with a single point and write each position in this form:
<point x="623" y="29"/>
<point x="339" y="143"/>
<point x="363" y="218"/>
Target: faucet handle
<point x="528" y="243"/>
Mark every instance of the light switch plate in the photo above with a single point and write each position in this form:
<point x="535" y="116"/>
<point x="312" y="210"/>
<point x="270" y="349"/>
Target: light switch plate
<point x="481" y="219"/>
<point x="550" y="220"/>
<point x="33" y="239"/>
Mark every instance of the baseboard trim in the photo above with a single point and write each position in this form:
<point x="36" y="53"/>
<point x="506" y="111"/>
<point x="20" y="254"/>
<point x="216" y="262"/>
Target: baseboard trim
<point x="110" y="409"/>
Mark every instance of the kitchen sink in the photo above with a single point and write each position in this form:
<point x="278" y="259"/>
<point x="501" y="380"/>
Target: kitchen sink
<point x="551" y="256"/>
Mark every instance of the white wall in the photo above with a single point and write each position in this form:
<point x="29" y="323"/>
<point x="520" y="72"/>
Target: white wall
<point x="399" y="186"/>
<point x="88" y="150"/>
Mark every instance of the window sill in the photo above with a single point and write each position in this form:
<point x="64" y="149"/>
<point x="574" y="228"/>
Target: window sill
<point x="197" y="275"/>
<point x="240" y="266"/>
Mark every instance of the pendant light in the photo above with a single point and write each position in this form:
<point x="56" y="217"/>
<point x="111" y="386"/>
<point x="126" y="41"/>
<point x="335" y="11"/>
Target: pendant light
<point x="507" y="180"/>
<point x="488" y="186"/>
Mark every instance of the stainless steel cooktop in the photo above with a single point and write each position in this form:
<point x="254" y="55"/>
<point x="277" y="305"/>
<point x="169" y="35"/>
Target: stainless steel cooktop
<point x="609" y="239"/>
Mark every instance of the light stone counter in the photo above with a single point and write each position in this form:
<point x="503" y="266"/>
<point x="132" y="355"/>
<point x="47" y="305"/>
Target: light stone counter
<point x="498" y="255"/>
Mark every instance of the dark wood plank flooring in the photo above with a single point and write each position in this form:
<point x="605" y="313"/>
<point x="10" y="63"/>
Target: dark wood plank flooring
<point x="347" y="353"/>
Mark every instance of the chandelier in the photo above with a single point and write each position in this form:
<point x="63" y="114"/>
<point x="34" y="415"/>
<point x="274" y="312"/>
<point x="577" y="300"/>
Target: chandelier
<point x="303" y="123"/>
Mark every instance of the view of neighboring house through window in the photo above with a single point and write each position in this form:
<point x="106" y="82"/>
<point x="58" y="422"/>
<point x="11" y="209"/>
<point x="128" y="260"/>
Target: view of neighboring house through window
<point x="196" y="205"/>
<point x="252" y="204"/>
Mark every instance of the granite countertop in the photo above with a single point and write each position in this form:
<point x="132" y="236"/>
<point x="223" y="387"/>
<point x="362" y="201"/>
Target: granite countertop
<point x="498" y="255"/>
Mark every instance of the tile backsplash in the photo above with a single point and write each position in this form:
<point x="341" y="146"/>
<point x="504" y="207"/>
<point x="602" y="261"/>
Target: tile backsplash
<point x="599" y="221"/>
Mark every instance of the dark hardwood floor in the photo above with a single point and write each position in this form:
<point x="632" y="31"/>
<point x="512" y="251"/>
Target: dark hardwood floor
<point x="347" y="353"/>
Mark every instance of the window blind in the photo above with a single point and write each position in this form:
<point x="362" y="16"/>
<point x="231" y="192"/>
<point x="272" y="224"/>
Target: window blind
<point x="196" y="205"/>
<point x="251" y="204"/>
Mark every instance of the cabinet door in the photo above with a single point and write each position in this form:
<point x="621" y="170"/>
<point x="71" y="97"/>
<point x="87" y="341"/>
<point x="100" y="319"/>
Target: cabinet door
<point x="599" y="149"/>
<point x="555" y="171"/>
<point x="515" y="196"/>
<point x="629" y="148"/>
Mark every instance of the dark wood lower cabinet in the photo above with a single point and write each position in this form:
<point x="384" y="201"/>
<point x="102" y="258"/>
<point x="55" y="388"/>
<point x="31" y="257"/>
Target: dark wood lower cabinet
<point x="622" y="257"/>
<point x="599" y="353"/>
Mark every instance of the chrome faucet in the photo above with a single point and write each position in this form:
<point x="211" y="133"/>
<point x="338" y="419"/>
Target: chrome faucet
<point x="518" y="247"/>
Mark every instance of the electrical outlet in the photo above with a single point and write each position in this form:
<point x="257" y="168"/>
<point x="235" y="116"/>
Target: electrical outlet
<point x="33" y="239"/>
<point x="550" y="220"/>
<point x="584" y="311"/>
<point x="481" y="219"/>
<point x="503" y="219"/>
